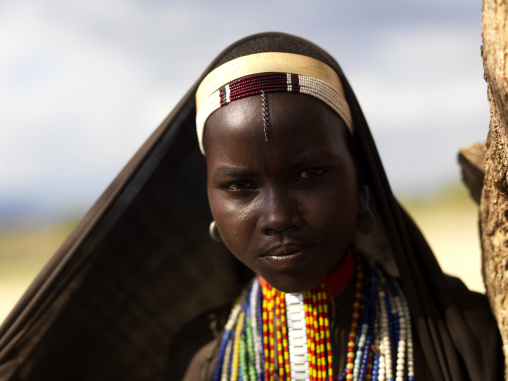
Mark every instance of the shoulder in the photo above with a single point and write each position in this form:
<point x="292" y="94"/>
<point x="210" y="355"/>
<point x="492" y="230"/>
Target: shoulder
<point x="473" y="304"/>
<point x="202" y="364"/>
<point x="475" y="309"/>
<point x="477" y="315"/>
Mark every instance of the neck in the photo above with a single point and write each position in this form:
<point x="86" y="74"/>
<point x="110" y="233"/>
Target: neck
<point x="339" y="279"/>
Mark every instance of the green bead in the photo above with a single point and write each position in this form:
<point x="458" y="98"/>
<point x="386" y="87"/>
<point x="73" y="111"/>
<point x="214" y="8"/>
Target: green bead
<point x="243" y="358"/>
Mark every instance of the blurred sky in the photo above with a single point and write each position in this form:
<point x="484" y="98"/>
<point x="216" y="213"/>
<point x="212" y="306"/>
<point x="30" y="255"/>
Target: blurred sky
<point x="83" y="83"/>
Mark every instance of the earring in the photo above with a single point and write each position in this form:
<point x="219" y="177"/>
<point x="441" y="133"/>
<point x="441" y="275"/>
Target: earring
<point x="214" y="232"/>
<point x="365" y="221"/>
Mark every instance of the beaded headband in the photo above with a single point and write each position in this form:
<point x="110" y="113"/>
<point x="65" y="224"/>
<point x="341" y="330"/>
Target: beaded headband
<point x="269" y="72"/>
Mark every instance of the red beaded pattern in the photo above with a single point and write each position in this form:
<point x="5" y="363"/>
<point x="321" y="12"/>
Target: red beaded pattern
<point x="339" y="278"/>
<point x="275" y="332"/>
<point x="318" y="334"/>
<point x="253" y="84"/>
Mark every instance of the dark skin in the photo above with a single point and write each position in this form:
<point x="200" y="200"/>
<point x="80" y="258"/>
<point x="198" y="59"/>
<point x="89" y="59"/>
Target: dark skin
<point x="286" y="208"/>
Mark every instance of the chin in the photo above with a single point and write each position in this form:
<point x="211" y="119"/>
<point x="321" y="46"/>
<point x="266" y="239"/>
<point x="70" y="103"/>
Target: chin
<point x="291" y="284"/>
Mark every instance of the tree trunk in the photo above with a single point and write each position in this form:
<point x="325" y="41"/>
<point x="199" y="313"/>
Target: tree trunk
<point x="494" y="199"/>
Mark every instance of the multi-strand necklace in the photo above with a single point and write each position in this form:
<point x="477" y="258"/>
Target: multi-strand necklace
<point x="272" y="335"/>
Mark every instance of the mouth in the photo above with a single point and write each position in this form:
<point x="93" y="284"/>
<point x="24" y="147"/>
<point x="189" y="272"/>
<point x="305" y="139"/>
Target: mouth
<point x="290" y="255"/>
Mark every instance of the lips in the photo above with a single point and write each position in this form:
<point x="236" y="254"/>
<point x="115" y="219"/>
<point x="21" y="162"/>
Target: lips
<point x="285" y="250"/>
<point x="288" y="255"/>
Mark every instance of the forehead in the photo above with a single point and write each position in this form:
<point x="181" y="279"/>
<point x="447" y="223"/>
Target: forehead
<point x="296" y="123"/>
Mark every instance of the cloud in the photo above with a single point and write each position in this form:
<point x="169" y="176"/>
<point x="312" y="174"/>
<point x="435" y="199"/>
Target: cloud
<point x="82" y="84"/>
<point x="426" y="79"/>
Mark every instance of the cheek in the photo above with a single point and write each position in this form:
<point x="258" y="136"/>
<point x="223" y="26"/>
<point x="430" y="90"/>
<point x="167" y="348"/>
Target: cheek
<point x="334" y="210"/>
<point x="236" y="222"/>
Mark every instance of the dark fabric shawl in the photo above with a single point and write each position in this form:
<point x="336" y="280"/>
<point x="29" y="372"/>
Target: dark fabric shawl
<point x="133" y="292"/>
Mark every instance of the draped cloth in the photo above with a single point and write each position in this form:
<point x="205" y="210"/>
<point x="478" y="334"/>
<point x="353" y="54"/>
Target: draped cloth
<point x="137" y="287"/>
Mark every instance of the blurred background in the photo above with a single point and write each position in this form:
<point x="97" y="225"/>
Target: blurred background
<point x="84" y="83"/>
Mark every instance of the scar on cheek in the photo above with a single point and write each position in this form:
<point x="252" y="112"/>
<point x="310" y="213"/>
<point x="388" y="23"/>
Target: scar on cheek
<point x="265" y="110"/>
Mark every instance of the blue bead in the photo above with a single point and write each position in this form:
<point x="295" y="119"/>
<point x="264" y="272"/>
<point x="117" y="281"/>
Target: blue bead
<point x="375" y="367"/>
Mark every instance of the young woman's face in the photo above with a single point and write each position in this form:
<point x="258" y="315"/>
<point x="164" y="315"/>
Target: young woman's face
<point x="285" y="207"/>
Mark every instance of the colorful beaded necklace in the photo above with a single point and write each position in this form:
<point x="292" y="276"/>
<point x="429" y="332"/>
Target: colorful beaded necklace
<point x="272" y="335"/>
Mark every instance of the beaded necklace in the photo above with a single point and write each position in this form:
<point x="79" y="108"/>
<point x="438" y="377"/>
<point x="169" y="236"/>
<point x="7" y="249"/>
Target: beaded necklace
<point x="272" y="335"/>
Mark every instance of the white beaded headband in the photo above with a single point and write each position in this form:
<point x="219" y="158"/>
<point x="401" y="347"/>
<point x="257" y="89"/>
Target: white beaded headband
<point x="261" y="73"/>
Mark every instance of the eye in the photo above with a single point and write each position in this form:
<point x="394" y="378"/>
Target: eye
<point x="310" y="173"/>
<point x="239" y="186"/>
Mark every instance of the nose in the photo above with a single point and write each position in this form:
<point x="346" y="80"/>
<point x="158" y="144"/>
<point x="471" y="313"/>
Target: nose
<point x="279" y="212"/>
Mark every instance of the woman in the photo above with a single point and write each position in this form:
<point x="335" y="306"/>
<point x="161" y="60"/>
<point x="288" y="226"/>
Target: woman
<point x="289" y="158"/>
<point x="297" y="191"/>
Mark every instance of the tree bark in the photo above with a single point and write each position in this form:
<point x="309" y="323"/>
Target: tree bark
<point x="494" y="198"/>
<point x="471" y="161"/>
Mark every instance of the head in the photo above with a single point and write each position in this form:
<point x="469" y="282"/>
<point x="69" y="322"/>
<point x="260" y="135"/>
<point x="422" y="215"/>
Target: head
<point x="284" y="200"/>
